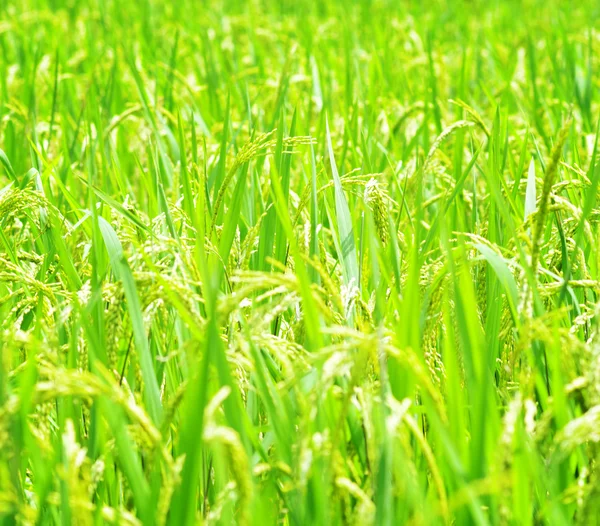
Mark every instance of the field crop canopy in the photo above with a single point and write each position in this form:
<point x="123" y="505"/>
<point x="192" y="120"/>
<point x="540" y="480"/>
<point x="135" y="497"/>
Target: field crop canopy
<point x="297" y="262"/>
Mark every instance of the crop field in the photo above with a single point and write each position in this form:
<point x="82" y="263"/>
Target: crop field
<point x="275" y="262"/>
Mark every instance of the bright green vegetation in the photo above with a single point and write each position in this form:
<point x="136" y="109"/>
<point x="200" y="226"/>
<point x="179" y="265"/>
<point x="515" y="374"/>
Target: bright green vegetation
<point x="299" y="262"/>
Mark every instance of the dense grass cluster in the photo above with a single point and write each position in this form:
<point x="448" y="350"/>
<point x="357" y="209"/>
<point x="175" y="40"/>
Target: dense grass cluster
<point x="299" y="262"/>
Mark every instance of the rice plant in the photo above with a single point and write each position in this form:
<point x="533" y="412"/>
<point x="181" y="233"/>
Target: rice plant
<point x="274" y="262"/>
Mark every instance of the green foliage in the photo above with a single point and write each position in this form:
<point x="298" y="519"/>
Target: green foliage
<point x="302" y="262"/>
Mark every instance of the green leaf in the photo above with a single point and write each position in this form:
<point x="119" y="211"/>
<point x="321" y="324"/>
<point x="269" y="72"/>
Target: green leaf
<point x="123" y="273"/>
<point x="344" y="222"/>
<point x="530" y="196"/>
<point x="504" y="274"/>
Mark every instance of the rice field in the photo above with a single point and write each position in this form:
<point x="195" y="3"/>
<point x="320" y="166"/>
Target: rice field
<point x="299" y="263"/>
